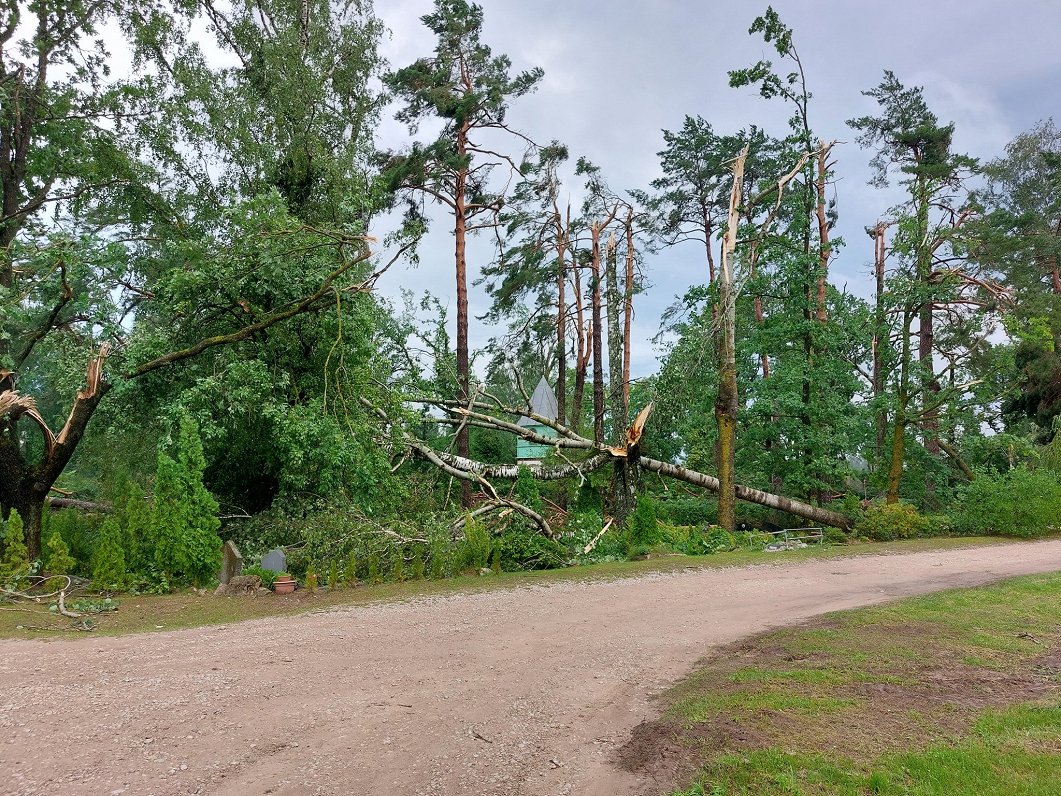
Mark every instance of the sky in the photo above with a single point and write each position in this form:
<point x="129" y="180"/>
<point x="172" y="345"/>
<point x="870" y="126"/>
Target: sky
<point x="617" y="75"/>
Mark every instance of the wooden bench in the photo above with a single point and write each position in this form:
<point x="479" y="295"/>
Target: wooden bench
<point x="805" y="535"/>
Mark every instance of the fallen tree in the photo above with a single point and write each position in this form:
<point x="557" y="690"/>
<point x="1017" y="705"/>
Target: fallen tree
<point x="480" y="414"/>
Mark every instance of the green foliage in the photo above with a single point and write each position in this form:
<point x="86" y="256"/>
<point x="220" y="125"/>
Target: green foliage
<point x="350" y="570"/>
<point x="521" y="549"/>
<point x="109" y="571"/>
<point x="581" y="528"/>
<point x="133" y="514"/>
<point x="642" y="527"/>
<point x="184" y="521"/>
<point x="59" y="561"/>
<point x="495" y="559"/>
<point x="526" y="489"/>
<point x="687" y="511"/>
<point x="334" y="575"/>
<point x="418" y="566"/>
<point x="884" y="522"/>
<point x="398" y="568"/>
<point x="1020" y="502"/>
<point x="474" y="551"/>
<point x="372" y="571"/>
<point x="15" y="562"/>
<point x="311" y="580"/>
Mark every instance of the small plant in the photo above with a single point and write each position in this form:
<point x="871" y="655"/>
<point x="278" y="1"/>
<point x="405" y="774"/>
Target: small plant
<point x="642" y="530"/>
<point x="333" y="575"/>
<point x="398" y="570"/>
<point x="60" y="562"/>
<point x="15" y="564"/>
<point x="108" y="570"/>
<point x="311" y="578"/>
<point x="495" y="560"/>
<point x="350" y="571"/>
<point x="373" y="574"/>
<point x="475" y="549"/>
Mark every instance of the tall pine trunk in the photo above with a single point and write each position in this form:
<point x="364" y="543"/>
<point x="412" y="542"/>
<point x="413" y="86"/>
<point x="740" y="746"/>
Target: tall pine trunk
<point x="460" y="233"/>
<point x="726" y="403"/>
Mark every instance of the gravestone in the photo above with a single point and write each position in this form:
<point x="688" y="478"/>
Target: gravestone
<point x="275" y="560"/>
<point x="231" y="562"/>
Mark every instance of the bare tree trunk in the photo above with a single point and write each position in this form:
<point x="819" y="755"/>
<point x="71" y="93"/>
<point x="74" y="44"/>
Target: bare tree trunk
<point x="460" y="232"/>
<point x="898" y="452"/>
<point x="726" y="403"/>
<point x="615" y="340"/>
<point x="628" y="310"/>
<point x="561" y="320"/>
<point x="824" y="250"/>
<point x="880" y="338"/>
<point x="582" y="352"/>
<point x="598" y="353"/>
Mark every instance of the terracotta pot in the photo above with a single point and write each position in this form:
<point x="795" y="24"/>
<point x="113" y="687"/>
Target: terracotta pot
<point x="284" y="585"/>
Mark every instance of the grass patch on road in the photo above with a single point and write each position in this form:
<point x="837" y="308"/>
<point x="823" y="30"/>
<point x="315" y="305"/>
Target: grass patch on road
<point x="187" y="609"/>
<point x="943" y="695"/>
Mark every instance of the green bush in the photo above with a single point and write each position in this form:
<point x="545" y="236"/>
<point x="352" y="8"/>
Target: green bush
<point x="474" y="552"/>
<point x="184" y="521"/>
<point x="1020" y="502"/>
<point x="688" y="511"/>
<point x="521" y="549"/>
<point x="884" y="522"/>
<point x="109" y="571"/>
<point x="15" y="563"/>
<point x="642" y="531"/>
<point x="60" y="562"/>
<point x="526" y="489"/>
<point x="582" y="528"/>
<point x="79" y="531"/>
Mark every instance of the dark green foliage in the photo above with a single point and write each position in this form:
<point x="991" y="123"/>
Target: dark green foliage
<point x="884" y="522"/>
<point x="1020" y="502"/>
<point x="526" y="489"/>
<point x="495" y="559"/>
<point x="59" y="561"/>
<point x="184" y="521"/>
<point x="699" y="541"/>
<point x="133" y="514"/>
<point x="80" y="531"/>
<point x="398" y="568"/>
<point x="687" y="511"/>
<point x="643" y="527"/>
<point x="474" y="551"/>
<point x="14" y="564"/>
<point x="109" y="571"/>
<point x="372" y="572"/>
<point x="418" y="566"/>
<point x="521" y="549"/>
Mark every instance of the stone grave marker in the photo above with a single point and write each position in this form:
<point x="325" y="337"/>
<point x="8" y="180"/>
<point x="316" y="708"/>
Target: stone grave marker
<point x="231" y="562"/>
<point x="275" y="560"/>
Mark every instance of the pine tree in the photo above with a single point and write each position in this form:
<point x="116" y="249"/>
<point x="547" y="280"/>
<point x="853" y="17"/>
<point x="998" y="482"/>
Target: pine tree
<point x="184" y="521"/>
<point x="108" y="571"/>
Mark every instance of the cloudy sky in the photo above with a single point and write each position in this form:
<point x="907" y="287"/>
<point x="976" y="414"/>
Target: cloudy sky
<point x="618" y="74"/>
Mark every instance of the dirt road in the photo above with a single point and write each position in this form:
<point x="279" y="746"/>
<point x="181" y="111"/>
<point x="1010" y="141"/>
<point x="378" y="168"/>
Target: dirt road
<point x="525" y="692"/>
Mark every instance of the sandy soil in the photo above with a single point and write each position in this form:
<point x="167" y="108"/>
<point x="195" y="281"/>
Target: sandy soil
<point x="528" y="692"/>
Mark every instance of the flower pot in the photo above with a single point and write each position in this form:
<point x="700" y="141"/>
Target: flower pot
<point x="284" y="585"/>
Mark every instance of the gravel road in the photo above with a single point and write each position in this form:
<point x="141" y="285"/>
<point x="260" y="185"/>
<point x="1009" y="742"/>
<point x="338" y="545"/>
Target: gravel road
<point x="527" y="691"/>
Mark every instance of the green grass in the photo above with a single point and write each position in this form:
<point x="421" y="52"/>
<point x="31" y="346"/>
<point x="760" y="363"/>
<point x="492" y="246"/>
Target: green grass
<point x="154" y="613"/>
<point x="952" y="694"/>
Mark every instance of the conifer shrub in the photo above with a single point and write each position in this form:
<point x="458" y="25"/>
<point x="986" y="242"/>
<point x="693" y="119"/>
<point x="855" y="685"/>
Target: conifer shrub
<point x="350" y="570"/>
<point x="642" y="528"/>
<point x="14" y="565"/>
<point x="311" y="578"/>
<point x="134" y="516"/>
<point x="108" y="567"/>
<point x="474" y="552"/>
<point x="184" y="522"/>
<point x="523" y="549"/>
<point x="398" y="568"/>
<point x="59" y="561"/>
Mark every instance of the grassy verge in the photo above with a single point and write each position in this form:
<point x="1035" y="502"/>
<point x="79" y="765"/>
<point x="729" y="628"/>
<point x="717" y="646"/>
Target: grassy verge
<point x="949" y="694"/>
<point x="154" y="613"/>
